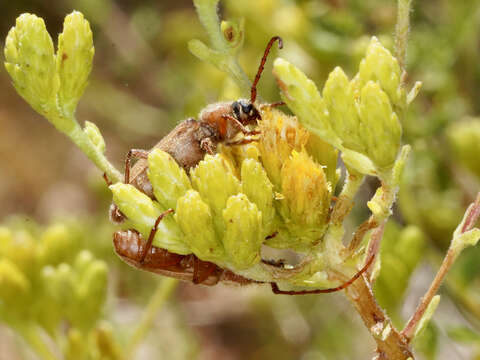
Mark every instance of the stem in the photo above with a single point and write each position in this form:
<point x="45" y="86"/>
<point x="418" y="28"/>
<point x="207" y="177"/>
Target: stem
<point x="377" y="220"/>
<point x="207" y="13"/>
<point x="161" y="294"/>
<point x="332" y="243"/>
<point x="30" y="334"/>
<point x="401" y="31"/>
<point x="392" y="345"/>
<point x="412" y="323"/>
<point x="81" y="139"/>
<point x="360" y="233"/>
<point x="374" y="245"/>
<point x="471" y="216"/>
<point x="345" y="200"/>
<point x="225" y="57"/>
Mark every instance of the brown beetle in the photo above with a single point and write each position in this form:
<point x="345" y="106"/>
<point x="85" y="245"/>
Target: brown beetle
<point x="188" y="143"/>
<point x="190" y="140"/>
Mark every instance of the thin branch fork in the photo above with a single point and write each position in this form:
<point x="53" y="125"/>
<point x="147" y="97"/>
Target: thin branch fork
<point x="471" y="217"/>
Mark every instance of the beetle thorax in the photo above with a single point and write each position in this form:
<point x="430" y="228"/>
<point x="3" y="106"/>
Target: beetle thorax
<point x="219" y="116"/>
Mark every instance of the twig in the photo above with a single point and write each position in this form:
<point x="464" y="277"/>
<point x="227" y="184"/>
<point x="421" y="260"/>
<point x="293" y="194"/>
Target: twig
<point x="344" y="203"/>
<point x="471" y="217"/>
<point x="374" y="245"/>
<point x="360" y="233"/>
<point x="78" y="136"/>
<point x="161" y="294"/>
<point x="391" y="344"/>
<point x="401" y="31"/>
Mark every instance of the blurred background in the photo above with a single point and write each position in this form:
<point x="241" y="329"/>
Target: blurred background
<point x="54" y="203"/>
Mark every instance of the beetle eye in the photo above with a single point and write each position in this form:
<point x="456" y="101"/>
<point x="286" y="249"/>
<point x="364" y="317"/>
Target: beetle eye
<point x="247" y="109"/>
<point x="236" y="109"/>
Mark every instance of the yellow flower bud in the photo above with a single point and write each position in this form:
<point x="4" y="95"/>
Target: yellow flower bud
<point x="30" y="61"/>
<point x="169" y="181"/>
<point x="143" y="212"/>
<point x="259" y="190"/>
<point x="339" y="98"/>
<point x="215" y="181"/>
<point x="302" y="97"/>
<point x="380" y="66"/>
<point x="95" y="136"/>
<point x="237" y="154"/>
<point x="14" y="285"/>
<point x="280" y="135"/>
<point x="56" y="244"/>
<point x="326" y="155"/>
<point x="59" y="286"/>
<point x="83" y="260"/>
<point x="75" y="348"/>
<point x="233" y="32"/>
<point x="464" y="137"/>
<point x="380" y="128"/>
<point x="91" y="292"/>
<point x="307" y="196"/>
<point x="105" y="340"/>
<point x="195" y="219"/>
<point x="5" y="240"/>
<point x="136" y="206"/>
<point x="22" y="251"/>
<point x="243" y="232"/>
<point x="74" y="60"/>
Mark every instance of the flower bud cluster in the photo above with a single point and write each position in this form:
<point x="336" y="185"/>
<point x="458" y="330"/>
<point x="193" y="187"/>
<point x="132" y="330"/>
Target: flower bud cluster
<point x="46" y="282"/>
<point x="360" y="117"/>
<point x="52" y="83"/>
<point x="277" y="191"/>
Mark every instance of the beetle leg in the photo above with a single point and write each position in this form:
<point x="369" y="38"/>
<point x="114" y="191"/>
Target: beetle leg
<point x="207" y="145"/>
<point x="116" y="216"/>
<point x="133" y="153"/>
<point x="148" y="245"/>
<point x="202" y="270"/>
<point x="240" y="126"/>
<point x="107" y="180"/>
<point x="346" y="284"/>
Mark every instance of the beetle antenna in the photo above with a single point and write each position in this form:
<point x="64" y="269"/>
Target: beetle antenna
<point x="253" y="91"/>
<point x="277" y="291"/>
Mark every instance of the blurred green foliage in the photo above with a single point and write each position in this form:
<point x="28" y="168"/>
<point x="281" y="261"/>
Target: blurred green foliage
<point x="46" y="283"/>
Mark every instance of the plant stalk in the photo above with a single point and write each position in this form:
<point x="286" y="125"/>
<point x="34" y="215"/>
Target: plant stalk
<point x="401" y="31"/>
<point x="162" y="293"/>
<point x="391" y="344"/>
<point x="472" y="215"/>
<point x="80" y="138"/>
<point x="30" y="333"/>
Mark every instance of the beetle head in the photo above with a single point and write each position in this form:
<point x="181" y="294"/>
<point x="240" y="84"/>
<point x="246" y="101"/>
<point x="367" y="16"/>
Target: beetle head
<point x="245" y="112"/>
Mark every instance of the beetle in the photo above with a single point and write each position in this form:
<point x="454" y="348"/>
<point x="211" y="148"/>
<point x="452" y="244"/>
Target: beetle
<point x="190" y="140"/>
<point x="188" y="143"/>
<point x="129" y="244"/>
